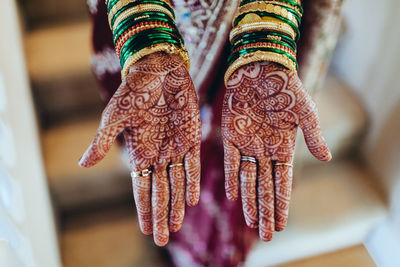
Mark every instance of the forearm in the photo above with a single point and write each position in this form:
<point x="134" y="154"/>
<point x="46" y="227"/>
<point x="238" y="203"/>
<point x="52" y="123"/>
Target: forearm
<point x="265" y="31"/>
<point x="143" y="27"/>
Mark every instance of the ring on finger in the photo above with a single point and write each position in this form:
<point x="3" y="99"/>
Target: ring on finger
<point x="249" y="159"/>
<point x="142" y="173"/>
<point x="284" y="164"/>
<point x="175" y="165"/>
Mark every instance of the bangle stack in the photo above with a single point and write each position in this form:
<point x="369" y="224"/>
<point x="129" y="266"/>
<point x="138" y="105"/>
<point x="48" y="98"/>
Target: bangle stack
<point x="143" y="27"/>
<point x="265" y="31"/>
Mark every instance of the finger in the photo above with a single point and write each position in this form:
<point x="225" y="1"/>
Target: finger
<point x="283" y="176"/>
<point x="101" y="143"/>
<point x="248" y="175"/>
<point x="313" y="135"/>
<point x="160" y="203"/>
<point x="265" y="194"/>
<point x="231" y="166"/>
<point x="142" y="194"/>
<point x="177" y="179"/>
<point x="192" y="168"/>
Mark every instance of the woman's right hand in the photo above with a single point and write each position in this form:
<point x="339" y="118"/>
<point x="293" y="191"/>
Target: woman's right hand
<point x="157" y="110"/>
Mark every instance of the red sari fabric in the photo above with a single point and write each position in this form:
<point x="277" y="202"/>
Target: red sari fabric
<point x="214" y="232"/>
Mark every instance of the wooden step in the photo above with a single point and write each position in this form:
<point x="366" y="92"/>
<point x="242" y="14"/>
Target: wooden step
<point x="58" y="60"/>
<point x="333" y="206"/>
<point x="74" y="187"/>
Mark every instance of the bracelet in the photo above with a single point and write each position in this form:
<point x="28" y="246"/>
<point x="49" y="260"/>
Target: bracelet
<point x="141" y="20"/>
<point x="265" y="45"/>
<point x="268" y="8"/>
<point x="145" y="39"/>
<point x="140" y="9"/>
<point x="293" y="3"/>
<point x="163" y="47"/>
<point x="269" y="37"/>
<point x="294" y="9"/>
<point x="137" y="4"/>
<point x="234" y="57"/>
<point x="120" y="4"/>
<point x="259" y="56"/>
<point x="265" y="16"/>
<point x="269" y="24"/>
<point x="136" y="29"/>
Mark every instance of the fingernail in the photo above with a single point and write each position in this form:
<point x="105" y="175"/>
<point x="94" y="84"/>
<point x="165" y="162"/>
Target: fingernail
<point x="81" y="161"/>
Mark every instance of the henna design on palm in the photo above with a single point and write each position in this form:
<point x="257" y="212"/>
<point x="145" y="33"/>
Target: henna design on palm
<point x="263" y="106"/>
<point x="157" y="110"/>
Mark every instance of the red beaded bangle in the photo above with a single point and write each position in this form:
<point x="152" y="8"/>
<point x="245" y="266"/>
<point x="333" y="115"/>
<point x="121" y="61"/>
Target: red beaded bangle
<point x="136" y="29"/>
<point x="267" y="45"/>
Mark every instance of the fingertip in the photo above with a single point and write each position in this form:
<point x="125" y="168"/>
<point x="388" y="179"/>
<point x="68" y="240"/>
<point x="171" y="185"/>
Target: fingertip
<point x="192" y="199"/>
<point x="146" y="230"/>
<point x="266" y="236"/>
<point x="231" y="195"/>
<point x="323" y="154"/>
<point x="175" y="227"/>
<point x="161" y="242"/>
<point x="252" y="225"/>
<point x="84" y="162"/>
<point x="327" y="157"/>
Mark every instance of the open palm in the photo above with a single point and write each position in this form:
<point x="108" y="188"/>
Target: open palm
<point x="263" y="106"/>
<point x="157" y="110"/>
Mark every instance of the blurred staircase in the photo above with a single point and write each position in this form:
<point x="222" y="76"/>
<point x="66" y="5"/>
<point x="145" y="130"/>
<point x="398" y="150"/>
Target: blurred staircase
<point x="334" y="205"/>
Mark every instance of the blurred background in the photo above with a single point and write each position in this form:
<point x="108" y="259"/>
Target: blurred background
<point x="53" y="213"/>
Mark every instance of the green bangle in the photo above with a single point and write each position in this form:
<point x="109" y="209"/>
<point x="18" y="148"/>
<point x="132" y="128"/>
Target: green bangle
<point x="146" y="37"/>
<point x="141" y="17"/>
<point x="139" y="3"/>
<point x="138" y="48"/>
<point x="265" y="14"/>
<point x="265" y="35"/>
<point x="232" y="58"/>
<point x="259" y="41"/>
<point x="131" y="23"/>
<point x="264" y="38"/>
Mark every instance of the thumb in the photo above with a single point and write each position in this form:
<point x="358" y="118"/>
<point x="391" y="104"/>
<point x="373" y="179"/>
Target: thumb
<point x="313" y="136"/>
<point x="101" y="144"/>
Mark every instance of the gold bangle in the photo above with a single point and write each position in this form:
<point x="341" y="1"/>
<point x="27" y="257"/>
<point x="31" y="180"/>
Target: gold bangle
<point x="295" y="8"/>
<point x="163" y="47"/>
<point x="120" y="4"/>
<point x="259" y="56"/>
<point x="263" y="6"/>
<point x="139" y="9"/>
<point x="263" y="24"/>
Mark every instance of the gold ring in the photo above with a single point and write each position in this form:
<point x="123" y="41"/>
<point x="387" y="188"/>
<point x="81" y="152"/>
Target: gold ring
<point x="283" y="164"/>
<point x="175" y="165"/>
<point x="142" y="173"/>
<point x="249" y="159"/>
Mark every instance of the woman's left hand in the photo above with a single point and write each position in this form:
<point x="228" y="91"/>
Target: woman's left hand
<point x="264" y="103"/>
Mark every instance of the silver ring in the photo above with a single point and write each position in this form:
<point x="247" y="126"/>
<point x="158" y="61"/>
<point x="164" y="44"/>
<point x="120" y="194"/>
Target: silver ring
<point x="249" y="159"/>
<point x="175" y="165"/>
<point x="142" y="173"/>
<point x="283" y="164"/>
